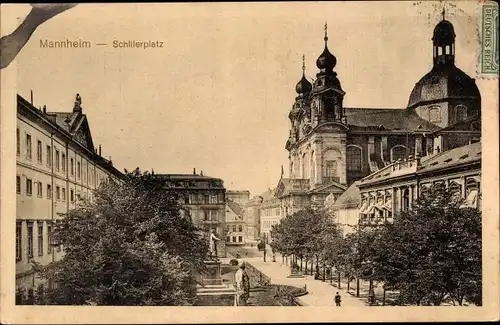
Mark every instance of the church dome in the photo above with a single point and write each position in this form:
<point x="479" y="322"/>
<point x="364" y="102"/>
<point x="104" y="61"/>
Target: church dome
<point x="440" y="84"/>
<point x="443" y="31"/>
<point x="303" y="86"/>
<point x="326" y="60"/>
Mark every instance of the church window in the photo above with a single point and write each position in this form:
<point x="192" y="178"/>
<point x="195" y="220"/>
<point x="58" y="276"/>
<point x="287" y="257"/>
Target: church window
<point x="447" y="49"/>
<point x="456" y="191"/>
<point x="331" y="168"/>
<point x="354" y="158"/>
<point x="440" y="50"/>
<point x="434" y="114"/>
<point x="460" y="113"/>
<point x="398" y="152"/>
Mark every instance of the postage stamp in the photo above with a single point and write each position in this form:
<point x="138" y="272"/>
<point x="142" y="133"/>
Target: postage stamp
<point x="489" y="39"/>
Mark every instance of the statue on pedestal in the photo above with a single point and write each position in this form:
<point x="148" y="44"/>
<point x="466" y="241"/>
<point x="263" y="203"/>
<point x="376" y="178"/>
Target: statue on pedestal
<point x="212" y="244"/>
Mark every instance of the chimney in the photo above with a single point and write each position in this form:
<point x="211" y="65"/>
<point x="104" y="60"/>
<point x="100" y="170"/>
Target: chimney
<point x="44" y="109"/>
<point x="194" y="171"/>
<point x="201" y="173"/>
<point x="152" y="171"/>
<point x="99" y="150"/>
<point x="32" y="98"/>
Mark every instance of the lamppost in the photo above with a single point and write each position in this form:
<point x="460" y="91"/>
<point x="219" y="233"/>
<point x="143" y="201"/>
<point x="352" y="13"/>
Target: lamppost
<point x="371" y="291"/>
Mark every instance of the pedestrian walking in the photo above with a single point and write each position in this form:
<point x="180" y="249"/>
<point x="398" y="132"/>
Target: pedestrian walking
<point x="338" y="300"/>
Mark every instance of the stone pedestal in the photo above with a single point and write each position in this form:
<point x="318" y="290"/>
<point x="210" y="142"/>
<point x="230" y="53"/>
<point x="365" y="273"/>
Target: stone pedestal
<point x="211" y="291"/>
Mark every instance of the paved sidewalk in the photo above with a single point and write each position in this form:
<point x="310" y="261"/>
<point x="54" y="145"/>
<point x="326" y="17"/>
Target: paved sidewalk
<point x="320" y="293"/>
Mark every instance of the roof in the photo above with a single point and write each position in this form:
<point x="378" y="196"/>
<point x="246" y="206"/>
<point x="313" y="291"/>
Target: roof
<point x="374" y="119"/>
<point x="77" y="131"/>
<point x="443" y="82"/>
<point x="235" y="207"/>
<point x="350" y="198"/>
<point x="453" y="157"/>
<point x="190" y="181"/>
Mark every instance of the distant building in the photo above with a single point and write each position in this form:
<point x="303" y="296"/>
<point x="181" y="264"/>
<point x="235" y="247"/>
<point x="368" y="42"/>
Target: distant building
<point x="57" y="166"/>
<point x="203" y="200"/>
<point x="345" y="210"/>
<point x="235" y="223"/>
<point x="396" y="187"/>
<point x="270" y="214"/>
<point x="240" y="197"/>
<point x="252" y="219"/>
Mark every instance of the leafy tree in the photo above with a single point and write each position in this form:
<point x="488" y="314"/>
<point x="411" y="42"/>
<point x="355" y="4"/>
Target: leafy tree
<point x="433" y="251"/>
<point x="130" y="246"/>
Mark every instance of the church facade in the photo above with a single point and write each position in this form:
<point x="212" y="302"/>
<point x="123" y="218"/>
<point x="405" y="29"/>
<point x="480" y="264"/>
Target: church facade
<point x="331" y="146"/>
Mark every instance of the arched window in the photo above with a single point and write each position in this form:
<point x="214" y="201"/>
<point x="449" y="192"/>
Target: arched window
<point x="456" y="191"/>
<point x="460" y="112"/>
<point x="398" y="152"/>
<point x="354" y="158"/>
<point x="304" y="166"/>
<point x="435" y="114"/>
<point x="331" y="160"/>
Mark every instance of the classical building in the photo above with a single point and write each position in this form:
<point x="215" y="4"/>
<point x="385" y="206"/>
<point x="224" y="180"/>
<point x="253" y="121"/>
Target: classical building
<point x="203" y="200"/>
<point x="331" y="146"/>
<point x="57" y="166"/>
<point x="235" y="223"/>
<point x="240" y="197"/>
<point x="396" y="187"/>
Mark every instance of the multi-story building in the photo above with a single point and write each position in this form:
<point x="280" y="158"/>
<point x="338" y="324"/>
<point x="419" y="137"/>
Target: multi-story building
<point x="270" y="214"/>
<point x="235" y="223"/>
<point x="331" y="146"/>
<point x="252" y="219"/>
<point x="57" y="165"/>
<point x="203" y="200"/>
<point x="397" y="186"/>
<point x="240" y="197"/>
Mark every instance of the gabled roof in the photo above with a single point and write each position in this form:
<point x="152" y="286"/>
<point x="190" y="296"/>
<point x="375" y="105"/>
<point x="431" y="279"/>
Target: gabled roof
<point x="237" y="209"/>
<point x="328" y="188"/>
<point x="349" y="199"/>
<point x="374" y="119"/>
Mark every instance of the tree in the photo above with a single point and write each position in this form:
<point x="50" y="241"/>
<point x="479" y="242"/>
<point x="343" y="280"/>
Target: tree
<point x="433" y="251"/>
<point x="130" y="246"/>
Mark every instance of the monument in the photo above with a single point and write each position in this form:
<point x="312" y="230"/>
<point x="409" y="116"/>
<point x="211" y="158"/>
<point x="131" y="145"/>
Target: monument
<point x="211" y="291"/>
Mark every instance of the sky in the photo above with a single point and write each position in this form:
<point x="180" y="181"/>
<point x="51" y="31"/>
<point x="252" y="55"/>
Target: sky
<point x="216" y="96"/>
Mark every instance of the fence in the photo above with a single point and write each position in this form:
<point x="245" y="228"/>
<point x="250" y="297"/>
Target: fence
<point x="257" y="278"/>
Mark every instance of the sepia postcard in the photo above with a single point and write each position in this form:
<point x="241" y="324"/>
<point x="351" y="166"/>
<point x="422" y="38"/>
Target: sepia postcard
<point x="249" y="162"/>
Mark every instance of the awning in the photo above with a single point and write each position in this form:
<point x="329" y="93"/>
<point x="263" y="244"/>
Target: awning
<point x="363" y="208"/>
<point x="388" y="205"/>
<point x="370" y="208"/>
<point x="471" y="200"/>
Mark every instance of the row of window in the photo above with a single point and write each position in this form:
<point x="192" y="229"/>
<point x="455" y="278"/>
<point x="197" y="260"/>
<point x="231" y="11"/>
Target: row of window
<point x="271" y="212"/>
<point x="232" y="239"/>
<point x="60" y="192"/>
<point x="237" y="228"/>
<point x="60" y="159"/>
<point x="267" y="224"/>
<point x="41" y="242"/>
<point x="203" y="199"/>
<point x="435" y="113"/>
